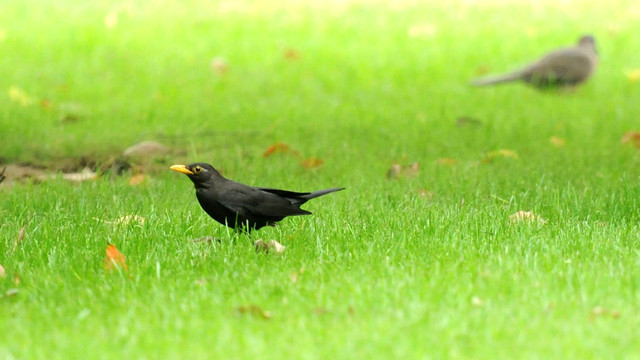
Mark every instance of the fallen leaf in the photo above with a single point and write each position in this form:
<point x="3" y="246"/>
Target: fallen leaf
<point x="423" y="193"/>
<point x="279" y="148"/>
<point x="476" y="301"/>
<point x="219" y="65"/>
<point x="253" y="310"/>
<point x="424" y="30"/>
<point x="111" y="20"/>
<point x="599" y="311"/>
<point x="397" y="171"/>
<point x="146" y="149"/>
<point x="631" y="137"/>
<point x="3" y="272"/>
<point x="137" y="179"/>
<point x="499" y="154"/>
<point x="556" y="141"/>
<point x="311" y="163"/>
<point x="291" y="54"/>
<point x="84" y="175"/>
<point x="446" y="162"/>
<point x="633" y="75"/>
<point x="526" y="217"/>
<point x="468" y="121"/>
<point x="18" y="95"/>
<point x="320" y="311"/>
<point x="296" y="275"/>
<point x="114" y="259"/>
<point x="16" y="279"/>
<point x="46" y="104"/>
<point x="129" y="219"/>
<point x="269" y="246"/>
<point x="207" y="239"/>
<point x="19" y="238"/>
<point x="11" y="292"/>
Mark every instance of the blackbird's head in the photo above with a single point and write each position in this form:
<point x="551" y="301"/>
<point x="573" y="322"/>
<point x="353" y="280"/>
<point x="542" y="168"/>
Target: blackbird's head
<point x="199" y="173"/>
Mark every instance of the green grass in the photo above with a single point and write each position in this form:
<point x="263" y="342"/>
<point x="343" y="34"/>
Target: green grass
<point x="380" y="272"/>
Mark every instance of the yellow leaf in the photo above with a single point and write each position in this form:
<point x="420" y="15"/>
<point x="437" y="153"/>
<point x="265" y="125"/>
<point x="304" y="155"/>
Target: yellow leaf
<point x="556" y="141"/>
<point x="633" y="75"/>
<point x="311" y="163"/>
<point x="18" y="95"/>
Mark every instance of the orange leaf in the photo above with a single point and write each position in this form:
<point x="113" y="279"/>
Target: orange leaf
<point x="311" y="163"/>
<point x="114" y="259"/>
<point x="631" y="137"/>
<point x="136" y="179"/>
<point x="291" y="54"/>
<point x="279" y="148"/>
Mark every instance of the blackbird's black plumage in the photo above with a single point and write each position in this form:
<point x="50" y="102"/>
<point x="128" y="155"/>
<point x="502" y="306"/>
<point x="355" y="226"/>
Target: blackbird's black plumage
<point x="241" y="206"/>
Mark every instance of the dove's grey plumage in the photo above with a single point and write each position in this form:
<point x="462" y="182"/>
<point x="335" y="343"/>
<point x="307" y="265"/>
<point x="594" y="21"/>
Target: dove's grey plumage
<point x="568" y="66"/>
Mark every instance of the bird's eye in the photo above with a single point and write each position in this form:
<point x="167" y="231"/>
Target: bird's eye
<point x="197" y="169"/>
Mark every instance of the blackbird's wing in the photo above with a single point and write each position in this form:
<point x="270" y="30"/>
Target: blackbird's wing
<point x="293" y="196"/>
<point x="255" y="203"/>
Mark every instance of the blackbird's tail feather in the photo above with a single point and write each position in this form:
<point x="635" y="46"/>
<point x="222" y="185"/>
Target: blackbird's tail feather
<point x="319" y="193"/>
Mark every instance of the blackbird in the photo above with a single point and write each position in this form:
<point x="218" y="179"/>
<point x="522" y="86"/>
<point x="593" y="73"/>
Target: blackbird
<point x="568" y="66"/>
<point x="241" y="206"/>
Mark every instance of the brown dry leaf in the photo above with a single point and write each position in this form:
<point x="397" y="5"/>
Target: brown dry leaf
<point x="269" y="246"/>
<point x="468" y="121"/>
<point x="3" y="272"/>
<point x="499" y="154"/>
<point x="296" y="275"/>
<point x="396" y="171"/>
<point x="254" y="310"/>
<point x="631" y="137"/>
<point x="84" y="175"/>
<point x="291" y="54"/>
<point x="46" y="104"/>
<point x="556" y="141"/>
<point x="137" y="179"/>
<point x="526" y="217"/>
<point x="599" y="311"/>
<point x="476" y="301"/>
<point x="20" y="237"/>
<point x="20" y="96"/>
<point x="114" y="259"/>
<point x="425" y="194"/>
<point x="219" y="65"/>
<point x="447" y="162"/>
<point x="482" y="70"/>
<point x="279" y="148"/>
<point x="633" y="75"/>
<point x="311" y="163"/>
<point x="320" y="311"/>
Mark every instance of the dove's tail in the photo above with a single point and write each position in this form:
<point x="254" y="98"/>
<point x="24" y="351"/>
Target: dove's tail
<point x="497" y="79"/>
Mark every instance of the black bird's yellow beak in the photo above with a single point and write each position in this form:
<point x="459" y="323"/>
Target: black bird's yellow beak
<point x="181" y="168"/>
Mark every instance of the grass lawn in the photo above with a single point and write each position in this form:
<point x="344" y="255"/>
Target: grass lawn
<point x="419" y="267"/>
